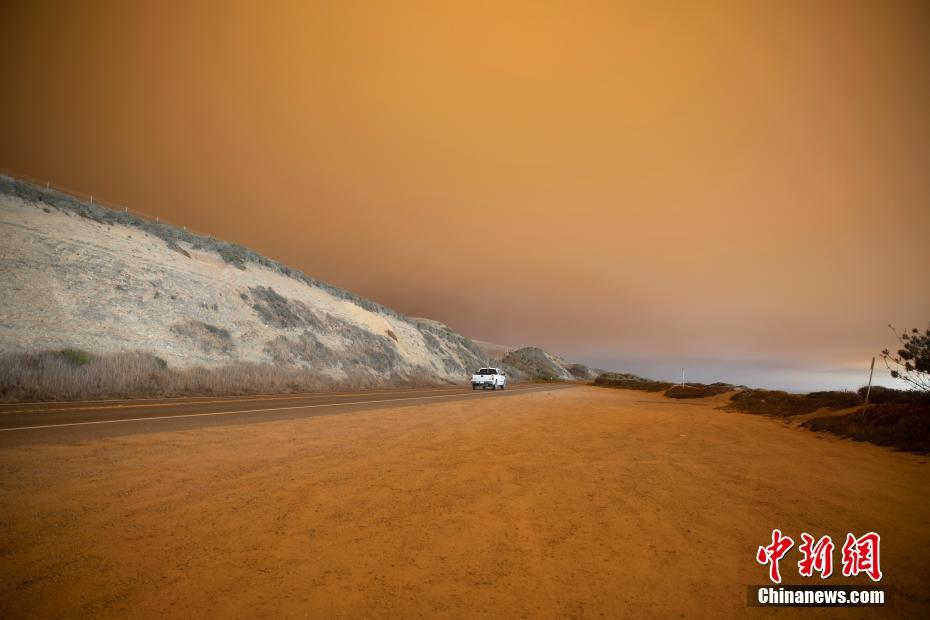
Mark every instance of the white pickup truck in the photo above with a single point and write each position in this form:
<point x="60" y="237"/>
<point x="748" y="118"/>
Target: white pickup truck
<point x="485" y="378"/>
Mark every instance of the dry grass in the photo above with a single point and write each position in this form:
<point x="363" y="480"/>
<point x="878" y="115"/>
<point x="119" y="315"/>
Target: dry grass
<point x="78" y="375"/>
<point x="698" y="390"/>
<point x="630" y="382"/>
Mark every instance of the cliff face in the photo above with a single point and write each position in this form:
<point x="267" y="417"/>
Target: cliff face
<point x="81" y="276"/>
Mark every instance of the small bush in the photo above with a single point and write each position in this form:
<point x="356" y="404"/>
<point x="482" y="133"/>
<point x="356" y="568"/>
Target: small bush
<point x="173" y="245"/>
<point x="630" y="382"/>
<point x="234" y="255"/>
<point x="209" y="338"/>
<point x="276" y="310"/>
<point x="75" y="357"/>
<point x="698" y="390"/>
<point x="432" y="343"/>
<point x="303" y="349"/>
<point x="903" y="425"/>
<point x="452" y="367"/>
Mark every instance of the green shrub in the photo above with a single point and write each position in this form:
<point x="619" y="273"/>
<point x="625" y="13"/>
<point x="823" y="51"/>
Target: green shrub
<point x="232" y="254"/>
<point x="75" y="357"/>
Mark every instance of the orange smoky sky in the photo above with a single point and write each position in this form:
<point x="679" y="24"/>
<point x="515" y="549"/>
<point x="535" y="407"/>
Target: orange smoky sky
<point x="739" y="188"/>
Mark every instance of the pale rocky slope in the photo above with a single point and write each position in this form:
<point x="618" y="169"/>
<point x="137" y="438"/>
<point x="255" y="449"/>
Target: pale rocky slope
<point x="81" y="276"/>
<point x="495" y="351"/>
<point x="526" y="361"/>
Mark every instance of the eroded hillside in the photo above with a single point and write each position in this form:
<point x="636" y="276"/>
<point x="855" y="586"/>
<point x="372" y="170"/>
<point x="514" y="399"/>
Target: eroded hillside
<point x="79" y="276"/>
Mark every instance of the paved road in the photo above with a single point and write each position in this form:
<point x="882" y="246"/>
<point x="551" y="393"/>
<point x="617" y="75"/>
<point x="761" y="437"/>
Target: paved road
<point x="27" y="423"/>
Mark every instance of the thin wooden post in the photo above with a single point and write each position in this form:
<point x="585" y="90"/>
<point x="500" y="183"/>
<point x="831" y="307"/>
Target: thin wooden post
<point x="868" y="390"/>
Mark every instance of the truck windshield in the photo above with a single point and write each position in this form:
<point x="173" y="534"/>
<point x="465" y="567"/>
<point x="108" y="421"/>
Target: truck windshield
<point x="487" y="371"/>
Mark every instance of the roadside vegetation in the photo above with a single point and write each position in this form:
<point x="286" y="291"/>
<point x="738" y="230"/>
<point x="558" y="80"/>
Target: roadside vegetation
<point x="904" y="425"/>
<point x="782" y="404"/>
<point x="893" y="418"/>
<point x="72" y="374"/>
<point x="698" y="390"/>
<point x="627" y="381"/>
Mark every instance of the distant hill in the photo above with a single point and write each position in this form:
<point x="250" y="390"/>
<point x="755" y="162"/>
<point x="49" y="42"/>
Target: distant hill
<point x="535" y="362"/>
<point x="525" y="362"/>
<point x="495" y="351"/>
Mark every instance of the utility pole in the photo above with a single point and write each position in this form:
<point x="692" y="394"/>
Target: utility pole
<point x="868" y="390"/>
<point x="682" y="377"/>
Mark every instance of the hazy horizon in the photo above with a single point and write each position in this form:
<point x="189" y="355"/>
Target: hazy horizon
<point x="756" y="373"/>
<point x="739" y="190"/>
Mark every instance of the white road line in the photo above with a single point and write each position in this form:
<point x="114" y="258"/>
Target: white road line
<point x="178" y="399"/>
<point x="217" y="413"/>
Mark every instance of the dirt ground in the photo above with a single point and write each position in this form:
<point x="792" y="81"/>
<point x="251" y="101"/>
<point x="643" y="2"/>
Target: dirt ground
<point x="584" y="502"/>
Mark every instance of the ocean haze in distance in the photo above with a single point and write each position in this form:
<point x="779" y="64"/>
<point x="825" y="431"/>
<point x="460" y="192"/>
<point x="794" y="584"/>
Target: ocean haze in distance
<point x="625" y="185"/>
<point x="758" y="374"/>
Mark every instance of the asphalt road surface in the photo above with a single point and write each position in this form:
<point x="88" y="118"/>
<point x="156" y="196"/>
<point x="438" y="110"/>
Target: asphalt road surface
<point x="26" y="423"/>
